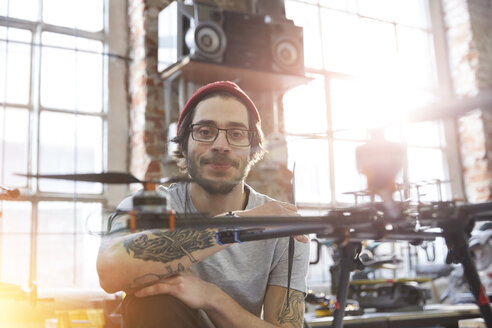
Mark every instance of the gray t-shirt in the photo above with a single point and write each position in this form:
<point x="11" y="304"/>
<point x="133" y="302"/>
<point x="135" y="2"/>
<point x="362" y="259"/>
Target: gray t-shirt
<point x="244" y="270"/>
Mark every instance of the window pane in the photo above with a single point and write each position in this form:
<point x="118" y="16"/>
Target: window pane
<point x="381" y="9"/>
<point x="426" y="165"/>
<point x="71" y="79"/>
<point x="416" y="53"/>
<point x="341" y="50"/>
<point x="14" y="138"/>
<point x="347" y="178"/>
<point x="379" y="48"/>
<point x="70" y="143"/>
<point x="348" y="114"/>
<point x="426" y="134"/>
<point x="304" y="103"/>
<point x="86" y="261"/>
<point x="15" y="66"/>
<point x="55" y="261"/>
<point x="84" y="15"/>
<point x="362" y="104"/>
<point x="168" y="36"/>
<point x="307" y="16"/>
<point x="345" y="5"/>
<point x="312" y="170"/>
<point x="66" y="253"/>
<point x="172" y="130"/>
<point x="58" y="217"/>
<point x="22" y="9"/>
<point x="15" y="244"/>
<point x="414" y="13"/>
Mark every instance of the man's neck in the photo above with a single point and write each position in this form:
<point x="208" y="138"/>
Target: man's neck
<point x="218" y="203"/>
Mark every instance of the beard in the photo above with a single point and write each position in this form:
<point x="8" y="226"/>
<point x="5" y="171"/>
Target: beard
<point x="212" y="186"/>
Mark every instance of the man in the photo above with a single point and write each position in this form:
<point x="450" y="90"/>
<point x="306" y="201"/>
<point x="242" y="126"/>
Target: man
<point x="184" y="278"/>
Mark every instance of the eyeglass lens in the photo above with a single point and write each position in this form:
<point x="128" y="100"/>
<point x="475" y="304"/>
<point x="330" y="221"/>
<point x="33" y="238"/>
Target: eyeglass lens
<point x="208" y="133"/>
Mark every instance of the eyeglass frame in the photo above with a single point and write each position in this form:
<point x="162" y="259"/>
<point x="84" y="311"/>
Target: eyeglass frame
<point x="251" y="134"/>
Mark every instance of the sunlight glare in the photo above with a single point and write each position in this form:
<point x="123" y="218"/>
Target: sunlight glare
<point x="377" y="71"/>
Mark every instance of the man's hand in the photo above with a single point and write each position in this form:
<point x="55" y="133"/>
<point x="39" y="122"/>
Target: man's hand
<point x="275" y="208"/>
<point x="184" y="286"/>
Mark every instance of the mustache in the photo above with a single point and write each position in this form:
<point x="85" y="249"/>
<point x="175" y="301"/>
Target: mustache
<point x="219" y="159"/>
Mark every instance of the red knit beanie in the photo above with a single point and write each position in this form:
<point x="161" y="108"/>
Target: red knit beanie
<point x="219" y="86"/>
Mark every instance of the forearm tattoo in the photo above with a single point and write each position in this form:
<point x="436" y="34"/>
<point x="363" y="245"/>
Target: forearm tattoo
<point x="166" y="246"/>
<point x="153" y="277"/>
<point x="292" y="311"/>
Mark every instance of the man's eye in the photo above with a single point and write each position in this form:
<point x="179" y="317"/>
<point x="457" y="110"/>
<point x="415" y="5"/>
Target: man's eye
<point x="205" y="131"/>
<point x="237" y="133"/>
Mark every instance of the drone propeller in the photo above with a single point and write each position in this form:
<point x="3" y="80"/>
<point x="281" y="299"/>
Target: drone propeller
<point x="105" y="177"/>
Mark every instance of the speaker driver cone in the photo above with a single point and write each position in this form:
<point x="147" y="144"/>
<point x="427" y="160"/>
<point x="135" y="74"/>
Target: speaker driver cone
<point x="285" y="53"/>
<point x="208" y="40"/>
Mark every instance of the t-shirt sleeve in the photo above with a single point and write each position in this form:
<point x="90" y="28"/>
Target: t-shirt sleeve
<point x="279" y="273"/>
<point x="117" y="218"/>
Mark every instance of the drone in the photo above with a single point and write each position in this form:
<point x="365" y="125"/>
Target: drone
<point x="387" y="220"/>
<point x="347" y="227"/>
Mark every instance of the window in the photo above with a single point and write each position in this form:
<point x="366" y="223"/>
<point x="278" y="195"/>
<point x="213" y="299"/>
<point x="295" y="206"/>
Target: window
<point x="54" y="108"/>
<point x="370" y="61"/>
<point x="367" y="76"/>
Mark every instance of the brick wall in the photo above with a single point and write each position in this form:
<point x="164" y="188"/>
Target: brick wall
<point x="148" y="126"/>
<point x="469" y="36"/>
<point x="271" y="175"/>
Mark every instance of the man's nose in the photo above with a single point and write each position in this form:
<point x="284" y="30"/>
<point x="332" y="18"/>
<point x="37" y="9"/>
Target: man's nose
<point x="221" y="144"/>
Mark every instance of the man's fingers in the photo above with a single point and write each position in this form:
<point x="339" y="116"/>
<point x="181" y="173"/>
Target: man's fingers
<point x="172" y="285"/>
<point x="160" y="288"/>
<point x="302" y="238"/>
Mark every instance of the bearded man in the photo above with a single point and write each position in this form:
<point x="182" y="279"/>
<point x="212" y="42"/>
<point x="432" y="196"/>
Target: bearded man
<point x="184" y="278"/>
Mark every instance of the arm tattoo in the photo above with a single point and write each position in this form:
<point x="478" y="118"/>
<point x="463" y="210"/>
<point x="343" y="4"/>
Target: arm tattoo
<point x="290" y="311"/>
<point x="160" y="246"/>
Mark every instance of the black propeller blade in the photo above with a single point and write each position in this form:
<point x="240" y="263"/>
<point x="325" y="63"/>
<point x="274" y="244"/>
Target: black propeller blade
<point x="104" y="177"/>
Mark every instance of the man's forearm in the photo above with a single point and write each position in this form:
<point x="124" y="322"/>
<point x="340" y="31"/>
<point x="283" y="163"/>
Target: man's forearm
<point x="224" y="312"/>
<point x="127" y="262"/>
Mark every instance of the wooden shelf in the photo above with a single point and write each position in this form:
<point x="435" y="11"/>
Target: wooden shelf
<point x="248" y="79"/>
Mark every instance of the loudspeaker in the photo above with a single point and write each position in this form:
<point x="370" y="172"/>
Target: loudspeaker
<point x="274" y="8"/>
<point x="234" y="38"/>
<point x="286" y="42"/>
<point x="247" y="43"/>
<point x="205" y="38"/>
<point x="257" y="42"/>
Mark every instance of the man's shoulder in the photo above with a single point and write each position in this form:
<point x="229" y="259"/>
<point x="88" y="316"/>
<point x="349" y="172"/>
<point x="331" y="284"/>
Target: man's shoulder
<point x="177" y="187"/>
<point x="177" y="193"/>
<point x="257" y="198"/>
<point x="126" y="204"/>
<point x="174" y="190"/>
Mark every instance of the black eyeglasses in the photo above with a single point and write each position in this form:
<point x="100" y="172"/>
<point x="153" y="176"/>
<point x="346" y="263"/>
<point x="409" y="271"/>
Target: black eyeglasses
<point x="208" y="133"/>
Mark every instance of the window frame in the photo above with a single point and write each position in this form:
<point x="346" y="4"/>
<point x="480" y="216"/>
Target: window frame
<point x="114" y="115"/>
<point x="450" y="150"/>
